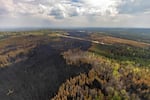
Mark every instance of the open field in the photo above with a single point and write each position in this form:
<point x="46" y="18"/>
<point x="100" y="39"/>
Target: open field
<point x="114" y="40"/>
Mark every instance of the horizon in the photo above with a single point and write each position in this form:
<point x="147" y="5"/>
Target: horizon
<point x="19" y="29"/>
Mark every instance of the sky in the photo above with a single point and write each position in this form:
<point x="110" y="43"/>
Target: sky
<point x="74" y="13"/>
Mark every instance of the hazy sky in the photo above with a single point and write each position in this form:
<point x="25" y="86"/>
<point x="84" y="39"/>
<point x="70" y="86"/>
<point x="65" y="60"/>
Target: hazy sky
<point x="74" y="13"/>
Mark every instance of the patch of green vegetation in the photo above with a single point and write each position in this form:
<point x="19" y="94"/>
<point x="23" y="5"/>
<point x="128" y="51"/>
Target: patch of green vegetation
<point x="124" y="54"/>
<point x="116" y="96"/>
<point x="115" y="70"/>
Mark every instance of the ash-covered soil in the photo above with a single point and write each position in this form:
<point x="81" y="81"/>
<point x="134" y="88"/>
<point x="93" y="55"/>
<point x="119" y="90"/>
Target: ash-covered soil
<point x="39" y="76"/>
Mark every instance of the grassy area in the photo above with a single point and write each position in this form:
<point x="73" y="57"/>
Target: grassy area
<point x="116" y="40"/>
<point x="15" y="47"/>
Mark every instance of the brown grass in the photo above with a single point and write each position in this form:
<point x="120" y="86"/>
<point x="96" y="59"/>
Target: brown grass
<point x="115" y="40"/>
<point x="11" y="47"/>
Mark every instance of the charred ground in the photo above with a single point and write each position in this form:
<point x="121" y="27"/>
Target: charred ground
<point x="39" y="76"/>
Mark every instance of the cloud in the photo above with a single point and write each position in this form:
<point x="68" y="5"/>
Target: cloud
<point x="3" y="11"/>
<point x="134" y="6"/>
<point x="62" y="8"/>
<point x="6" y="6"/>
<point x="69" y="8"/>
<point x="75" y="12"/>
<point x="101" y="7"/>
